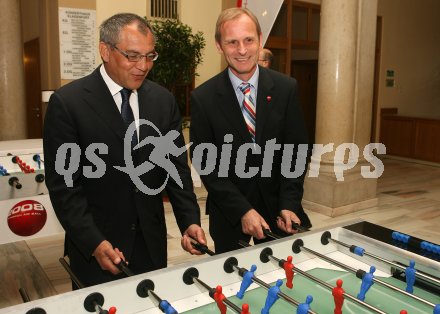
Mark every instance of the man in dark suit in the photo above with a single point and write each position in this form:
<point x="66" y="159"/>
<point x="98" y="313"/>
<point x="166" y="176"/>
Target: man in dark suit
<point x="106" y="215"/>
<point x="241" y="201"/>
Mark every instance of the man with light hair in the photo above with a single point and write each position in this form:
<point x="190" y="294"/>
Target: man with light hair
<point x="246" y="106"/>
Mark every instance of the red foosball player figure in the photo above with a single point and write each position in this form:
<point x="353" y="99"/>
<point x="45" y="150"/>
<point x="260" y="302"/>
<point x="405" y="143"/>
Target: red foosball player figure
<point x="219" y="297"/>
<point x="403" y="312"/>
<point x="112" y="310"/>
<point x="288" y="268"/>
<point x="338" y="295"/>
<point x="245" y="309"/>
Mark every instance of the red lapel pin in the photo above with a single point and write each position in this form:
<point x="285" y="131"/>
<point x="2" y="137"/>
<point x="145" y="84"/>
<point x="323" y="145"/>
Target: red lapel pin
<point x="269" y="98"/>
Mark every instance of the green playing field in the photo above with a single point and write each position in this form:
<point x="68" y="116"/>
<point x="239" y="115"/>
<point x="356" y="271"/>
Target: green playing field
<point x="378" y="296"/>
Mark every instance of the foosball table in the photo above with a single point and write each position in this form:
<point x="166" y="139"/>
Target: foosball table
<point x="22" y="170"/>
<point x="25" y="208"/>
<point x="357" y="267"/>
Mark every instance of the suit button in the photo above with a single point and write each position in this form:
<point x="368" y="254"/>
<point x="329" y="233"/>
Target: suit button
<point x="136" y="190"/>
<point x="133" y="227"/>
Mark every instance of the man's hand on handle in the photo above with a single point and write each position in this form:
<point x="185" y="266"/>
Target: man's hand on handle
<point x="253" y="223"/>
<point x="107" y="257"/>
<point x="194" y="232"/>
<point x="284" y="221"/>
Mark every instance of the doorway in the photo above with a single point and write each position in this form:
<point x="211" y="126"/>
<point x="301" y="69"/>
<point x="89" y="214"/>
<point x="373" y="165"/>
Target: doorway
<point x="33" y="88"/>
<point x="373" y="135"/>
<point x="306" y="74"/>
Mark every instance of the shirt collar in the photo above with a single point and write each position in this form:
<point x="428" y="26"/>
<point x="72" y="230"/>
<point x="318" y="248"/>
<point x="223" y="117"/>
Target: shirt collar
<point x="112" y="85"/>
<point x="236" y="81"/>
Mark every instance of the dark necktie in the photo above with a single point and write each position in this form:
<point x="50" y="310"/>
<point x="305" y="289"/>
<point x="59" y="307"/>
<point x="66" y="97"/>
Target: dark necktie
<point x="127" y="113"/>
<point x="249" y="112"/>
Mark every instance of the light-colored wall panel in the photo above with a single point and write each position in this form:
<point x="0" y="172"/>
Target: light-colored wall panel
<point x="201" y="15"/>
<point x="107" y="8"/>
<point x="411" y="47"/>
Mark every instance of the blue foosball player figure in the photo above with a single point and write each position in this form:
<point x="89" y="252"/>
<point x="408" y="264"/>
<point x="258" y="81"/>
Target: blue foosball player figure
<point x="304" y="308"/>
<point x="247" y="280"/>
<point x="272" y="296"/>
<point x="367" y="282"/>
<point x="410" y="274"/>
<point x="166" y="307"/>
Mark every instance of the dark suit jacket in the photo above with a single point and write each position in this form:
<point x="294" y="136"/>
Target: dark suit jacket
<point x="111" y="207"/>
<point x="216" y="112"/>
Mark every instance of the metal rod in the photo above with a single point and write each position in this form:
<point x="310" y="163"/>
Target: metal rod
<point x="267" y="286"/>
<point x="99" y="309"/>
<point x="330" y="287"/>
<point x="75" y="279"/>
<point x="418" y="274"/>
<point x="374" y="279"/>
<point x="155" y="296"/>
<point x="228" y="303"/>
<point x="197" y="280"/>
<point x="24" y="295"/>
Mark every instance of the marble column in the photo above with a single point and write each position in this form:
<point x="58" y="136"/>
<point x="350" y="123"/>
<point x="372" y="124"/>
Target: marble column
<point x="12" y="89"/>
<point x="336" y="182"/>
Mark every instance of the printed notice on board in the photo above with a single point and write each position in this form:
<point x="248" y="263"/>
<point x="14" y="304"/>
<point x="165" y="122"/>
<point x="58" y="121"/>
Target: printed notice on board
<point x="77" y="42"/>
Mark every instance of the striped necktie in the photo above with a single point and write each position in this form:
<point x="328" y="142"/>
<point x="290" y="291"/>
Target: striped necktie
<point x="248" y="109"/>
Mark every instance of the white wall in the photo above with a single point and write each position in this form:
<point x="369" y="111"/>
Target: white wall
<point x="411" y="47"/>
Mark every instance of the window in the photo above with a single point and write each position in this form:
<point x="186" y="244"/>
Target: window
<point x="164" y="9"/>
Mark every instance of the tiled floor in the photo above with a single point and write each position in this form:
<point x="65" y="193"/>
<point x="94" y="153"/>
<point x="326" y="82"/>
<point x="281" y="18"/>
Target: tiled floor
<point x="409" y="201"/>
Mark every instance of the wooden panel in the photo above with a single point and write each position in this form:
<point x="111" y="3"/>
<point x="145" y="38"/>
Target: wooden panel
<point x="20" y="269"/>
<point x="397" y="135"/>
<point x="305" y="44"/>
<point x="279" y="60"/>
<point x="410" y="136"/>
<point x="385" y="111"/>
<point x="427" y="140"/>
<point x="296" y="18"/>
<point x="276" y="42"/>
